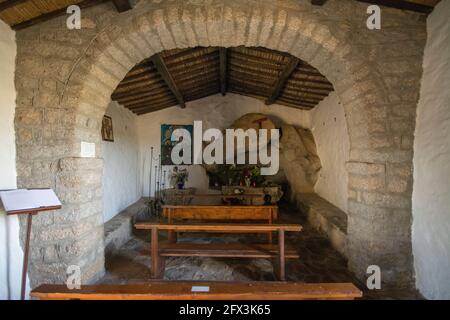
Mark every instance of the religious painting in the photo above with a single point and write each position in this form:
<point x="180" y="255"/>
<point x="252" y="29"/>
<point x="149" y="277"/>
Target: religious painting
<point x="168" y="142"/>
<point x="107" y="129"/>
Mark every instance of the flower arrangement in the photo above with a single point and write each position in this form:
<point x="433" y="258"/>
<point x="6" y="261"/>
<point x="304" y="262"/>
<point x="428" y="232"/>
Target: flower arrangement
<point x="252" y="177"/>
<point x="179" y="177"/>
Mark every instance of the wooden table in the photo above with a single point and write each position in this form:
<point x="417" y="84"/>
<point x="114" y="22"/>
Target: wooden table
<point x="187" y="198"/>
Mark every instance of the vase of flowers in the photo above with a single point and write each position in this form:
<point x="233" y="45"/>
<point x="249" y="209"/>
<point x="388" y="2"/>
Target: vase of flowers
<point x="179" y="177"/>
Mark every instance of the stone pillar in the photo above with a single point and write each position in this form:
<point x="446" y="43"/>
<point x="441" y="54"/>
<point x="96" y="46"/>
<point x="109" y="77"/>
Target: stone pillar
<point x="73" y="235"/>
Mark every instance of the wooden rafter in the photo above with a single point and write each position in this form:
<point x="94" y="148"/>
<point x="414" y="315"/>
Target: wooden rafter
<point x="288" y="69"/>
<point x="10" y="3"/>
<point x="402" y="5"/>
<point x="167" y="77"/>
<point x="223" y="70"/>
<point x="195" y="73"/>
<point x="53" y="14"/>
<point x="120" y="5"/>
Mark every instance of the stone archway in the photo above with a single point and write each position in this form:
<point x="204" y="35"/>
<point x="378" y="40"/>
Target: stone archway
<point x="82" y="69"/>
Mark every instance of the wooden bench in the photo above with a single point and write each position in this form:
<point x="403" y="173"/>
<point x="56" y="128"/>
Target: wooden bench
<point x="231" y="250"/>
<point x="183" y="290"/>
<point x="219" y="212"/>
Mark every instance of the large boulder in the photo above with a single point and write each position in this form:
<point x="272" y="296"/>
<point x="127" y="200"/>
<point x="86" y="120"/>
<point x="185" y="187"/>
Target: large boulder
<point x="299" y="159"/>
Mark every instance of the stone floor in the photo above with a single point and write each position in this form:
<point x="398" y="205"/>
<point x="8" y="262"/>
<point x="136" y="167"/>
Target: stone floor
<point x="318" y="262"/>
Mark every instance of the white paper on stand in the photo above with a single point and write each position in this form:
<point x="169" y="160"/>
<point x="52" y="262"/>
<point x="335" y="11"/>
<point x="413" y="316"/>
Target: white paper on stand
<point x="23" y="199"/>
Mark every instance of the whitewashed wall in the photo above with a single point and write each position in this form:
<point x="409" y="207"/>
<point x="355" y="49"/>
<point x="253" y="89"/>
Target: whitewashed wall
<point x="121" y="186"/>
<point x="329" y="128"/>
<point x="216" y="112"/>
<point x="11" y="253"/>
<point x="431" y="193"/>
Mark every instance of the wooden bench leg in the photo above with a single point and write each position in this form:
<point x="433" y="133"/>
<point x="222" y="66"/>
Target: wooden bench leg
<point x="269" y="234"/>
<point x="162" y="267"/>
<point x="281" y="264"/>
<point x="171" y="236"/>
<point x="154" y="253"/>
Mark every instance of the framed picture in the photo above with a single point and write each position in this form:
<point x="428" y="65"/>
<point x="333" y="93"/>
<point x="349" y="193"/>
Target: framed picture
<point x="107" y="129"/>
<point x="167" y="143"/>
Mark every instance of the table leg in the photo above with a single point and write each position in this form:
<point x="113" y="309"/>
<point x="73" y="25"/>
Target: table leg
<point x="281" y="270"/>
<point x="154" y="253"/>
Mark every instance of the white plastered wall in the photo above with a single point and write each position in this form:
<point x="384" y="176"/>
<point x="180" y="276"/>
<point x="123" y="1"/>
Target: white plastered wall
<point x="329" y="127"/>
<point x="121" y="185"/>
<point x="431" y="191"/>
<point x="11" y="253"/>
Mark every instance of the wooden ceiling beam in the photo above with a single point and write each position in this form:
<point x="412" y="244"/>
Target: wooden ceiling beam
<point x="249" y="74"/>
<point x="142" y="78"/>
<point x="143" y="94"/>
<point x="288" y="69"/>
<point x="132" y="93"/>
<point x="298" y="78"/>
<point x="152" y="108"/>
<point x="402" y="5"/>
<point x="194" y="90"/>
<point x="10" y="3"/>
<point x="136" y="98"/>
<point x="167" y="77"/>
<point x="122" y="5"/>
<point x="253" y="54"/>
<point x="246" y="90"/>
<point x="53" y="14"/>
<point x="223" y="70"/>
<point x="249" y="68"/>
<point x="174" y="58"/>
<point x="150" y="101"/>
<point x="198" y="75"/>
<point x="194" y="69"/>
<point x="254" y="61"/>
<point x="188" y="62"/>
<point x="138" y="86"/>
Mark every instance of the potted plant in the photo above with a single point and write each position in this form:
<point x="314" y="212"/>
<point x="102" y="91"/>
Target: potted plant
<point x="179" y="177"/>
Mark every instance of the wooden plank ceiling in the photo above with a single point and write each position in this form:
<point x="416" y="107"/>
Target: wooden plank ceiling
<point x="20" y="14"/>
<point x="175" y="77"/>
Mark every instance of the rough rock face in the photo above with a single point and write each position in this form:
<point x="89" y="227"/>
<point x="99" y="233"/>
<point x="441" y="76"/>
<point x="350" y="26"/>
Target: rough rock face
<point x="299" y="159"/>
<point x="255" y="121"/>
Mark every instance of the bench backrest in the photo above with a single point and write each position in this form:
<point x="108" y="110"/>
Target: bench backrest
<point x="183" y="290"/>
<point x="220" y="227"/>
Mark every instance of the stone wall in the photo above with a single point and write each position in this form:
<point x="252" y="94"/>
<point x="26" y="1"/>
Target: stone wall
<point x="64" y="80"/>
